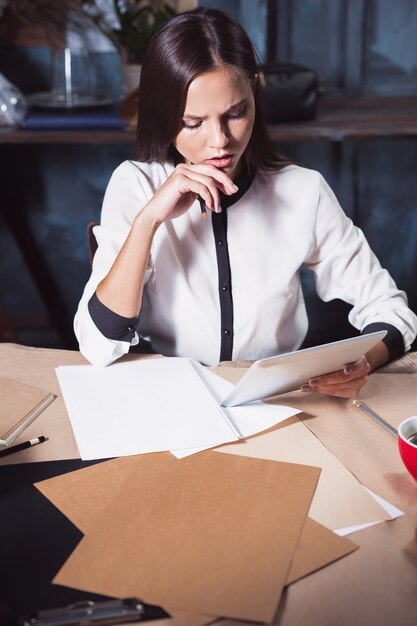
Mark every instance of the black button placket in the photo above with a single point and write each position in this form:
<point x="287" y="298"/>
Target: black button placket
<point x="219" y="222"/>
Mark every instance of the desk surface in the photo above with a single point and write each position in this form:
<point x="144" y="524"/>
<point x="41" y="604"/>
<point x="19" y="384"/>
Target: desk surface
<point x="374" y="585"/>
<point x="338" y="119"/>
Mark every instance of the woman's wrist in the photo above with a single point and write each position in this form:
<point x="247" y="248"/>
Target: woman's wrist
<point x="378" y="356"/>
<point x="145" y="222"/>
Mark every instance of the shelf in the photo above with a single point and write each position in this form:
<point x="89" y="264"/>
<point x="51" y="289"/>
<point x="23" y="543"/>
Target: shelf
<point x="342" y="119"/>
<point x="84" y="136"/>
<point x="338" y="119"/>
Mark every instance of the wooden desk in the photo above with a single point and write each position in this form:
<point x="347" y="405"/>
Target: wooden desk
<point x="374" y="585"/>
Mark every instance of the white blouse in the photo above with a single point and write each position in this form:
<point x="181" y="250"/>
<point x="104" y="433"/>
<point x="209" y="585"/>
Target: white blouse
<point x="284" y="220"/>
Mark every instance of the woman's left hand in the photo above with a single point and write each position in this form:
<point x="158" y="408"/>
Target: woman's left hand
<point x="345" y="383"/>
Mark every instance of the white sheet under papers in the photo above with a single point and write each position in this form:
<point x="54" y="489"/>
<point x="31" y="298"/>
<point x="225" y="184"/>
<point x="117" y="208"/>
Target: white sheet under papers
<point x="248" y="419"/>
<point x="391" y="509"/>
<point x="148" y="405"/>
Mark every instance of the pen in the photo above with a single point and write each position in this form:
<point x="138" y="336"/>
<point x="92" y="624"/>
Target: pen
<point x="365" y="409"/>
<point x="23" y="446"/>
<point x="203" y="208"/>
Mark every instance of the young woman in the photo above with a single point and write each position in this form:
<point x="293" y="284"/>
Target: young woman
<point x="203" y="235"/>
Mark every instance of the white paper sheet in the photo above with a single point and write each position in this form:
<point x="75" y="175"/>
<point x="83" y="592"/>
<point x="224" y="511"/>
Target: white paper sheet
<point x="148" y="405"/>
<point x="248" y="419"/>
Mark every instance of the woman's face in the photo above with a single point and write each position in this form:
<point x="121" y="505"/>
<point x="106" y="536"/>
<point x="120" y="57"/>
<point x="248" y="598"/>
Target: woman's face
<point x="218" y="119"/>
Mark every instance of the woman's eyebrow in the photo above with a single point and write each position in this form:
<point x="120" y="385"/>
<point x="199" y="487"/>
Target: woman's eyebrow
<point x="237" y="105"/>
<point x="189" y="116"/>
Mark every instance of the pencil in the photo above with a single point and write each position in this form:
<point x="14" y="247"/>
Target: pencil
<point x="365" y="409"/>
<point x="23" y="446"/>
<point x="203" y="208"/>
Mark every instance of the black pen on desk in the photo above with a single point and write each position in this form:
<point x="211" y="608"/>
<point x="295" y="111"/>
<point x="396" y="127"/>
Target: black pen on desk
<point x="365" y="409"/>
<point x="203" y="208"/>
<point x="23" y="446"/>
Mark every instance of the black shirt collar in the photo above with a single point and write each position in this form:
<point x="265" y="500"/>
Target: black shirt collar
<point x="243" y="182"/>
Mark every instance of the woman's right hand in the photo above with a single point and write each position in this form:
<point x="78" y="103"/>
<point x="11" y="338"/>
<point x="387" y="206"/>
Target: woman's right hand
<point x="182" y="187"/>
<point x="121" y="290"/>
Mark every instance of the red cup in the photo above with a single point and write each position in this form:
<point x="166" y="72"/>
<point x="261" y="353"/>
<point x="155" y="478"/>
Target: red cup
<point x="408" y="450"/>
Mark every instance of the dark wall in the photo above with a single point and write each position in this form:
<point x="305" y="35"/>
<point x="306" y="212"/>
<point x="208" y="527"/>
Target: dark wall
<point x="356" y="47"/>
<point x="360" y="47"/>
<point x="56" y="190"/>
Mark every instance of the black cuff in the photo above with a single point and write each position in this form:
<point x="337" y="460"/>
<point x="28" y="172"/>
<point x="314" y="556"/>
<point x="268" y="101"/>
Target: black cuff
<point x="393" y="339"/>
<point x="111" y="324"/>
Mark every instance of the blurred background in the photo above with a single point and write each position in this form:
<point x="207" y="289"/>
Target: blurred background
<point x="54" y="171"/>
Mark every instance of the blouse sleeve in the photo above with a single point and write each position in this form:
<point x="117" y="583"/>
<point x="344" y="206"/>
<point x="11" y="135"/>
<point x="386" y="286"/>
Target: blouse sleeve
<point x="345" y="267"/>
<point x="104" y="336"/>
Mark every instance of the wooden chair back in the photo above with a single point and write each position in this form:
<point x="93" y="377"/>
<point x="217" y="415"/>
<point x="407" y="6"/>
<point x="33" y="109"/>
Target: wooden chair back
<point x="91" y="240"/>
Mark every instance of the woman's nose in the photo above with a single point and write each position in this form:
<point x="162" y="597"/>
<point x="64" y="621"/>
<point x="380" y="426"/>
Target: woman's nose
<point x="218" y="136"/>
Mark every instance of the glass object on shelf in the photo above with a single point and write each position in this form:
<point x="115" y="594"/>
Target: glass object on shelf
<point x="13" y="105"/>
<point x="71" y="77"/>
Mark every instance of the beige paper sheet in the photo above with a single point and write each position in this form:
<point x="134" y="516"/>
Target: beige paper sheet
<point x="367" y="450"/>
<point x="185" y="618"/>
<point x="229" y="555"/>
<point x="84" y="494"/>
<point x="340" y="501"/>
<point x="317" y="548"/>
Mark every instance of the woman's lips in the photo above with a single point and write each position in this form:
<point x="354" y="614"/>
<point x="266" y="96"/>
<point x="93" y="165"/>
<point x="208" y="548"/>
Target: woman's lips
<point x="223" y="161"/>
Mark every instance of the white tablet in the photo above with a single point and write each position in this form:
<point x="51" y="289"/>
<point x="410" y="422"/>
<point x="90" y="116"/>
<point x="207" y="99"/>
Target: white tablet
<point x="286" y="372"/>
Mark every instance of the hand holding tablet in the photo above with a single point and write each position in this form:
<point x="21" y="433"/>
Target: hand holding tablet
<point x="287" y="372"/>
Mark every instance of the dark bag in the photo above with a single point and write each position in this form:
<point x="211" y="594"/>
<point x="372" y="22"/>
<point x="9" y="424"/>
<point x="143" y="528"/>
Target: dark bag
<point x="288" y="92"/>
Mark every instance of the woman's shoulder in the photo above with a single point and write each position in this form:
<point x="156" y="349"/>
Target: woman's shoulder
<point x="131" y="186"/>
<point x="130" y="169"/>
<point x="291" y="178"/>
<point x="291" y="172"/>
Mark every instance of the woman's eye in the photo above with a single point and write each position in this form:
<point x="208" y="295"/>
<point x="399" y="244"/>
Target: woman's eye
<point x="192" y="126"/>
<point x="237" y="115"/>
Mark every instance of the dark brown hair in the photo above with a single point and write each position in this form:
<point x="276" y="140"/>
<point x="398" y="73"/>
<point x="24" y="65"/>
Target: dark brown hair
<point x="184" y="47"/>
